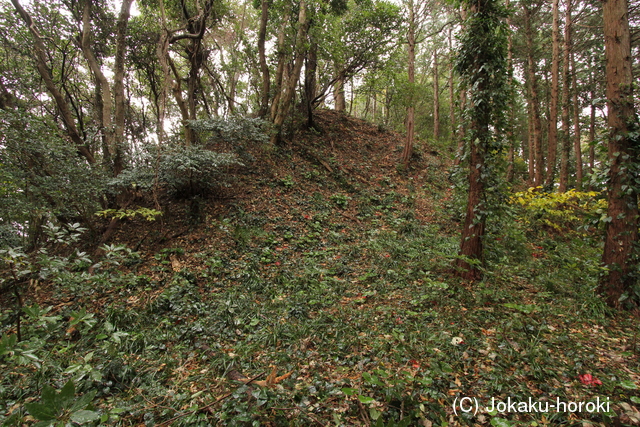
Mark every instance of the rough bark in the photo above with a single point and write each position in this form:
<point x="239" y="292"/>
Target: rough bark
<point x="264" y="67"/>
<point x="511" y="113"/>
<point x="411" y="63"/>
<point x="452" y="100"/>
<point x="531" y="145"/>
<point x="538" y="167"/>
<point x="553" y="104"/>
<point x="577" y="140"/>
<point x="340" y="103"/>
<point x="621" y="232"/>
<point x="566" y="90"/>
<point x="436" y="98"/>
<point x="279" y="77"/>
<point x="592" y="131"/>
<point x="311" y="66"/>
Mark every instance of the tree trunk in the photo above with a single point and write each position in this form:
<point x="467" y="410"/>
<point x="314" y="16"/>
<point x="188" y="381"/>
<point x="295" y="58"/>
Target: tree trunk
<point x="577" y="140"/>
<point x="338" y="92"/>
<point x="279" y="77"/>
<point x="182" y="105"/>
<point x="592" y="126"/>
<point x="553" y="105"/>
<point x="288" y="89"/>
<point x="310" y="82"/>
<point x="483" y="73"/>
<point x="109" y="102"/>
<point x="436" y="98"/>
<point x="460" y="131"/>
<point x="411" y="72"/>
<point x="105" y="101"/>
<point x="264" y="67"/>
<point x="538" y="166"/>
<point x="531" y="145"/>
<point x="512" y="119"/>
<point x="196" y="55"/>
<point x="118" y="86"/>
<point x="566" y="90"/>
<point x="452" y="99"/>
<point x="621" y="232"/>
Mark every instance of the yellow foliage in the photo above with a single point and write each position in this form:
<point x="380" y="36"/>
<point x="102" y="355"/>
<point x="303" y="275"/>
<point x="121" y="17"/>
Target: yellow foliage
<point x="559" y="211"/>
<point x="147" y="214"/>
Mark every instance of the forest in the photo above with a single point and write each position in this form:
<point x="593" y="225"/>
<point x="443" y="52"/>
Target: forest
<point x="319" y="213"/>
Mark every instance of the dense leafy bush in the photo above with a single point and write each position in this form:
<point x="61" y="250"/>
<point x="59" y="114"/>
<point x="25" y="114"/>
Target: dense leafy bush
<point x="239" y="132"/>
<point x="42" y="178"/>
<point x="195" y="171"/>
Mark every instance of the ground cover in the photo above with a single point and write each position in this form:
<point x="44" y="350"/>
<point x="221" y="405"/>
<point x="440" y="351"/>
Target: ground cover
<point x="318" y="291"/>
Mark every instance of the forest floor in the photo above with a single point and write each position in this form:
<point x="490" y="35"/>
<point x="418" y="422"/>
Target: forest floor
<point x="317" y="290"/>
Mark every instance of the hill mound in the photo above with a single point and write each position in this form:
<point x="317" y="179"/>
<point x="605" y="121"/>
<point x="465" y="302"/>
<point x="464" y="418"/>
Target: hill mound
<point x="350" y="165"/>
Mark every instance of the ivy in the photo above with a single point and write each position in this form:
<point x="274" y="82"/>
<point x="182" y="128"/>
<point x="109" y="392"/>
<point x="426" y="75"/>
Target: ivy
<point x="481" y="63"/>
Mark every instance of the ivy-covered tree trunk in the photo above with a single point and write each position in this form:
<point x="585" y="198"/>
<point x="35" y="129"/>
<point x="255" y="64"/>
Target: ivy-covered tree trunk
<point x="553" y="104"/>
<point x="482" y="66"/>
<point x="621" y="232"/>
<point x="511" y="105"/>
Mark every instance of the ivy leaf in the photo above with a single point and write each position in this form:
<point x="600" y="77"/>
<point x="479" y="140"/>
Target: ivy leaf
<point x="366" y="399"/>
<point x="629" y="385"/>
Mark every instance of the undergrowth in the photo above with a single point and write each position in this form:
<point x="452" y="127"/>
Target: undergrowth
<point x="339" y="311"/>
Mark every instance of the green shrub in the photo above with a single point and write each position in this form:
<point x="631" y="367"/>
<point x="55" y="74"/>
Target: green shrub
<point x="239" y="132"/>
<point x="194" y="171"/>
<point x="42" y="179"/>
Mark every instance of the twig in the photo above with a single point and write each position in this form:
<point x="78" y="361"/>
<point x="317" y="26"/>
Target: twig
<point x="203" y="408"/>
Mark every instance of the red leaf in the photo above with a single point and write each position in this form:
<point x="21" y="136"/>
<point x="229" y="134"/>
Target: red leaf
<point x="588" y="379"/>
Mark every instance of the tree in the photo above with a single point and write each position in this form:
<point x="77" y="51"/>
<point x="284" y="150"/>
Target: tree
<point x="264" y="67"/>
<point x="112" y="100"/>
<point x="411" y="73"/>
<point x="565" y="144"/>
<point x="482" y="65"/>
<point x="40" y="53"/>
<point x="553" y="107"/>
<point x="288" y="86"/>
<point x="621" y="231"/>
<point x="536" y="158"/>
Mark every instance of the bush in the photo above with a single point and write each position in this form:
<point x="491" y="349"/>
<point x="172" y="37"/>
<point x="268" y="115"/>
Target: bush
<point x="42" y="178"/>
<point x="560" y="211"/>
<point x="239" y="132"/>
<point x="193" y="171"/>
